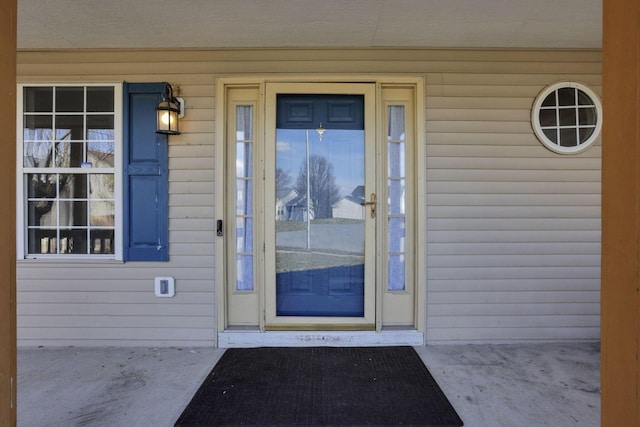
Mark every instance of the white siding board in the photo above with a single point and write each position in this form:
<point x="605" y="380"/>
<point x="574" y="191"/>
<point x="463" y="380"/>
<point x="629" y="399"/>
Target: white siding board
<point x="516" y="309"/>
<point x="514" y="212"/>
<point x="512" y="273"/>
<point x="501" y="236"/>
<point x="490" y="285"/>
<point x="529" y="176"/>
<point x="528" y="248"/>
<point x="505" y="335"/>
<point x="522" y="321"/>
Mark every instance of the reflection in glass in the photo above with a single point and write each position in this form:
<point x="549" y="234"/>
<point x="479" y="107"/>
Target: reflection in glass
<point x="69" y="127"/>
<point x="320" y="236"/>
<point x="38" y="154"/>
<point x="70" y="212"/>
<point x="101" y="186"/>
<point x="101" y="154"/>
<point x="69" y="154"/>
<point x="100" y="127"/>
<point x="102" y="213"/>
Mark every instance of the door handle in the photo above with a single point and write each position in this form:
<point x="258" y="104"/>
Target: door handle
<point x="372" y="203"/>
<point x="219" y="228"/>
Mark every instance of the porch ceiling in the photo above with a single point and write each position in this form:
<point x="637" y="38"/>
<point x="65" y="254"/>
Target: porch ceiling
<point x="73" y="24"/>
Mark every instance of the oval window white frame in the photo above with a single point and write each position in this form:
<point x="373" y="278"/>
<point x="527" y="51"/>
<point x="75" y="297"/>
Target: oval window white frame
<point x="537" y="128"/>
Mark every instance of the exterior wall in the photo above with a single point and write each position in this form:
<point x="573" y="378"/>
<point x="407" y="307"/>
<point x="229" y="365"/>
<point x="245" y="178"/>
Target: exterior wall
<point x="513" y="230"/>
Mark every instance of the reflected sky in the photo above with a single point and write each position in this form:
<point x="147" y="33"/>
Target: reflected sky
<point x="342" y="148"/>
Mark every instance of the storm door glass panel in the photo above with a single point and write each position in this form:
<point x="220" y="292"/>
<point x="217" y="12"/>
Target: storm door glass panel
<point x="244" y="197"/>
<point x="396" y="146"/>
<point x="319" y="222"/>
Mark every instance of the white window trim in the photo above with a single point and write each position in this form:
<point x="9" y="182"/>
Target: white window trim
<point x="537" y="128"/>
<point x="21" y="220"/>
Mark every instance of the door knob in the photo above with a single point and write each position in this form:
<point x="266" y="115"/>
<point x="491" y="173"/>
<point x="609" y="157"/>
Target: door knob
<point x="372" y="203"/>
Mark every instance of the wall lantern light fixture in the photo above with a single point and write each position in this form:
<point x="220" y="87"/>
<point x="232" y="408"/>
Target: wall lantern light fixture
<point x="169" y="112"/>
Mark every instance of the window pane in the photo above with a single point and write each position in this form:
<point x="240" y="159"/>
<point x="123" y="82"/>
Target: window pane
<point x="99" y="99"/>
<point x="102" y="213"/>
<point x="69" y="99"/>
<point x="72" y="186"/>
<point x="72" y="213"/>
<point x="396" y="235"/>
<point x="566" y="96"/>
<point x="101" y="241"/>
<point x="100" y="128"/>
<point x="69" y="154"/>
<point x="548" y="117"/>
<point x="585" y="133"/>
<point x="42" y="185"/>
<point x="396" y="122"/>
<point x="101" y="186"/>
<point x="42" y="213"/>
<point x="38" y="99"/>
<point x="244" y="234"/>
<point x="101" y="154"/>
<point x="568" y="137"/>
<point x="38" y="128"/>
<point x="396" y="160"/>
<point x="396" y="273"/>
<point x="39" y="240"/>
<point x="76" y="240"/>
<point x="584" y="99"/>
<point x="244" y="197"/>
<point x="567" y="117"/>
<point x="587" y="116"/>
<point x="552" y="134"/>
<point x="244" y="272"/>
<point x="244" y="122"/>
<point x="244" y="160"/>
<point x="70" y="127"/>
<point x="396" y="197"/>
<point x="38" y="154"/>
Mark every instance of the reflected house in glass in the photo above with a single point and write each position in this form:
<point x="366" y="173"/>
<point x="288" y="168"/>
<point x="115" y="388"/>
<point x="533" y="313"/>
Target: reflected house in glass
<point x="351" y="206"/>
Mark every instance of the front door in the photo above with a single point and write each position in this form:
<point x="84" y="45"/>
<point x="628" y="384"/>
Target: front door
<point x="321" y="193"/>
<point x="321" y="227"/>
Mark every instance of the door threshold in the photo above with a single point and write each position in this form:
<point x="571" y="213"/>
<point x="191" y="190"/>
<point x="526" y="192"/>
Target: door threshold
<point x="255" y="338"/>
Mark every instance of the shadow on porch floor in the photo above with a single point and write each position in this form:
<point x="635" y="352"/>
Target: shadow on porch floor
<point x="489" y="385"/>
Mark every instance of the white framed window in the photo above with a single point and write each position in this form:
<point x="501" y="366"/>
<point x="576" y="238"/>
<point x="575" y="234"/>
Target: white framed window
<point x="567" y="117"/>
<point x="69" y="171"/>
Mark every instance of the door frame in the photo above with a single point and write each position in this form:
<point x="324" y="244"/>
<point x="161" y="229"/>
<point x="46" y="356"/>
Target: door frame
<point x="410" y="336"/>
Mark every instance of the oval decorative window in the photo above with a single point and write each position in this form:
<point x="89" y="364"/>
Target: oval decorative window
<point x="567" y="117"/>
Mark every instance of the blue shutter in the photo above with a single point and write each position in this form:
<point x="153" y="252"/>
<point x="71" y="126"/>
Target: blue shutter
<point x="145" y="228"/>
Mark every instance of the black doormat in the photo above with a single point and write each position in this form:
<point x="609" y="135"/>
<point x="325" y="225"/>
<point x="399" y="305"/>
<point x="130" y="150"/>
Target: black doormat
<point x="320" y="386"/>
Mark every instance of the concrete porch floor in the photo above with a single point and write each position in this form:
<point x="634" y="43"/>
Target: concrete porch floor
<point x="489" y="385"/>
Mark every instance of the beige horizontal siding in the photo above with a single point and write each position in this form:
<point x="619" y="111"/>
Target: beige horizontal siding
<point x="512" y="229"/>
